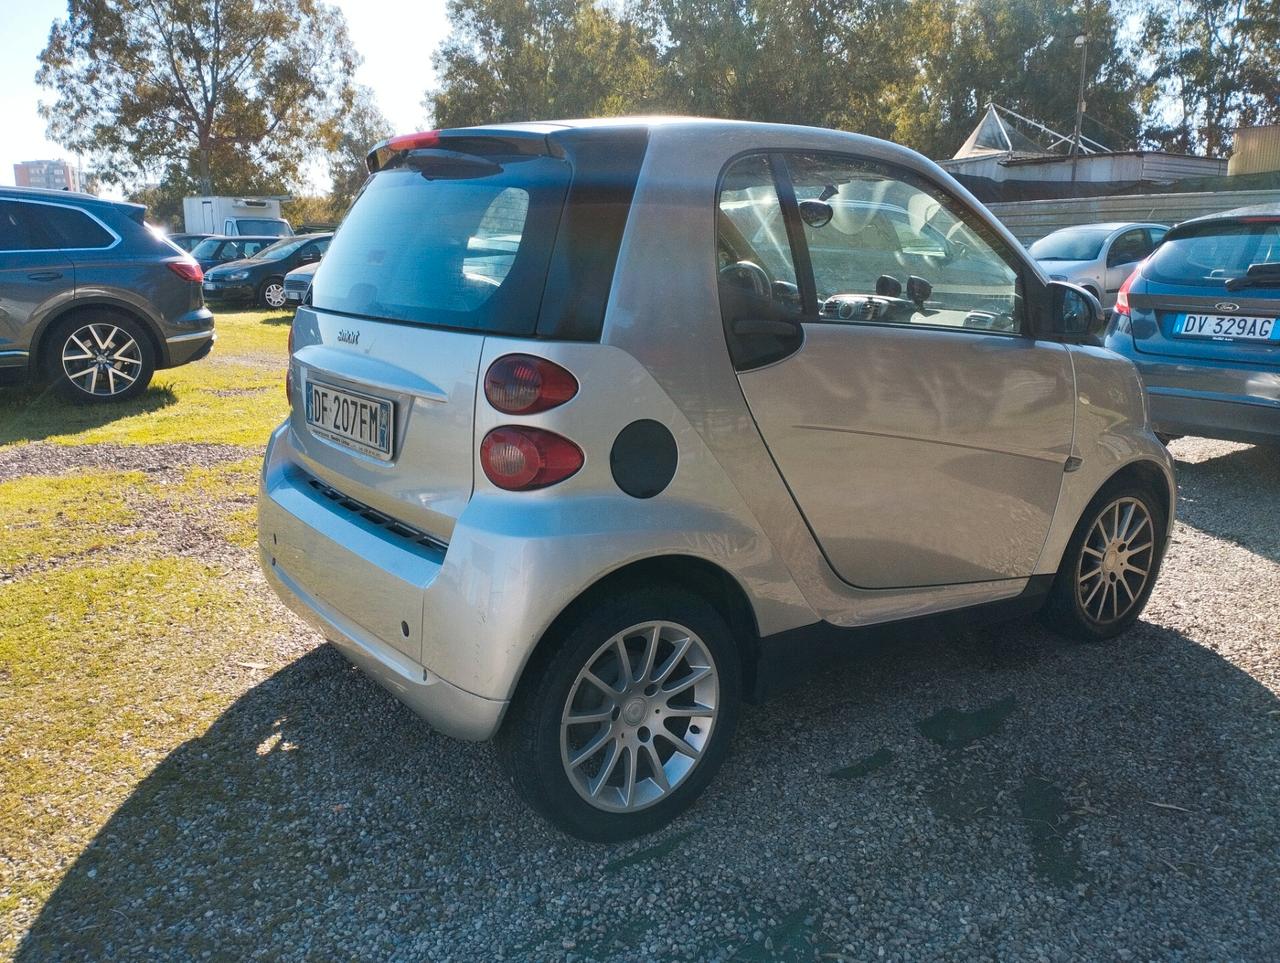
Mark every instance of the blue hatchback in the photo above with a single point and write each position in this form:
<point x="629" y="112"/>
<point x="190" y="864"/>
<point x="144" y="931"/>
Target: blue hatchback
<point x="1199" y="318"/>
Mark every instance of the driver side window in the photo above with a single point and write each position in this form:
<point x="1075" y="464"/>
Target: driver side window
<point x="889" y="247"/>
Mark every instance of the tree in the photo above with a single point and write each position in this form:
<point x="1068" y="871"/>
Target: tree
<point x="358" y="128"/>
<point x="215" y="95"/>
<point x="973" y="52"/>
<point x="540" y="59"/>
<point x="1215" y="66"/>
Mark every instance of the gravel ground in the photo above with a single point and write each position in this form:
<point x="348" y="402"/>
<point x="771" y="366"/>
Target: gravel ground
<point x="1003" y="795"/>
<point x="47" y="458"/>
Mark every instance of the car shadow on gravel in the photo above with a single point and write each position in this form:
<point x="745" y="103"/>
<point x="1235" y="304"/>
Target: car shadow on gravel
<point x="1000" y="793"/>
<point x="1223" y="496"/>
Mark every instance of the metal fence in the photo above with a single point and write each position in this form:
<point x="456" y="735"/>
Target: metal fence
<point x="1031" y="220"/>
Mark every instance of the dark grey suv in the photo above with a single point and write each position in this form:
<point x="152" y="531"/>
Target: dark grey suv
<point x="91" y="299"/>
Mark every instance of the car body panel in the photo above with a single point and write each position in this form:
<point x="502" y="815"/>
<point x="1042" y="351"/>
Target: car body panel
<point x="512" y="562"/>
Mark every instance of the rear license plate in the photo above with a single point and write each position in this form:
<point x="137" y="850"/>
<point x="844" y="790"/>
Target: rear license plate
<point x="1226" y="327"/>
<point x="360" y="422"/>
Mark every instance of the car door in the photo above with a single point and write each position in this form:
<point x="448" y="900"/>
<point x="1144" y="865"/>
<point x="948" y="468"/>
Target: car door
<point x="34" y="274"/>
<point x="1123" y="255"/>
<point x="921" y="432"/>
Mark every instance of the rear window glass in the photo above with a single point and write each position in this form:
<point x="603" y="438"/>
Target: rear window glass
<point x="72" y="228"/>
<point x="463" y="252"/>
<point x="1069" y="245"/>
<point x="1210" y="255"/>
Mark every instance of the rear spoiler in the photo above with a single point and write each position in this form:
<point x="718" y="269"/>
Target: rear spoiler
<point x="479" y="141"/>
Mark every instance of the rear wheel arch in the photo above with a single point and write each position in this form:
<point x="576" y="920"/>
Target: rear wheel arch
<point x="1151" y="476"/>
<point x="718" y="587"/>
<point x="42" y="341"/>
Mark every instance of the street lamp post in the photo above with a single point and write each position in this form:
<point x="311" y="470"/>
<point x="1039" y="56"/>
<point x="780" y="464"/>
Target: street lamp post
<point x="1082" y="43"/>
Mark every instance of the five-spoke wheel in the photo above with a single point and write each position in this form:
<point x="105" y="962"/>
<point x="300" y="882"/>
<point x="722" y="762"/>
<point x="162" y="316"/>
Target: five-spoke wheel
<point x="272" y="293"/>
<point x="100" y="357"/>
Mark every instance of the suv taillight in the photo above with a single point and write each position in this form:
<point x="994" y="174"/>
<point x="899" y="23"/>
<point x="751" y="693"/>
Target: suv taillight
<point x="520" y="384"/>
<point x="520" y="459"/>
<point x="1122" y="296"/>
<point x="187" y="270"/>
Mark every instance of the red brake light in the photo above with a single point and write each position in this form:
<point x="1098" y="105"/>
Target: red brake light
<point x="1122" y="296"/>
<point x="521" y="459"/>
<point x="423" y="138"/>
<point x="520" y="384"/>
<point x="186" y="269"/>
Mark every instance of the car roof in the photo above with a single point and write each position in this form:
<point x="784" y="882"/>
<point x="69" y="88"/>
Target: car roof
<point x="1255" y="210"/>
<point x="78" y="198"/>
<point x="243" y="237"/>
<point x="1109" y="226"/>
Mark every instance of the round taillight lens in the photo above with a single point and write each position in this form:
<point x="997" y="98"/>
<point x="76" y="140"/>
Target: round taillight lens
<point x="520" y="384"/>
<point x="521" y="459"/>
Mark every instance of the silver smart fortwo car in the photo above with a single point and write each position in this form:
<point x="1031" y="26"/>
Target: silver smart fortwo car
<point x="597" y="427"/>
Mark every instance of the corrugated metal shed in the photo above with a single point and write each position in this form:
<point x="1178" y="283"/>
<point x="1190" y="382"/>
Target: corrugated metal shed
<point x="1032" y="220"/>
<point x="1257" y="150"/>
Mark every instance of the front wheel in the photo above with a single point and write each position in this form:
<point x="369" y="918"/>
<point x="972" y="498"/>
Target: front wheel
<point x="271" y="294"/>
<point x="1110" y="565"/>
<point x="624" y="724"/>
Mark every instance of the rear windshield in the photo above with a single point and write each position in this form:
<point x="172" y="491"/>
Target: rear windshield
<point x="1215" y="252"/>
<point x="1070" y="245"/>
<point x="449" y="251"/>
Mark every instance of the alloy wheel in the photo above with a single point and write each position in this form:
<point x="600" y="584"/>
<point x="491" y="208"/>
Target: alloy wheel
<point x="1116" y="560"/>
<point x="639" y="716"/>
<point x="273" y="294"/>
<point x="101" y="359"/>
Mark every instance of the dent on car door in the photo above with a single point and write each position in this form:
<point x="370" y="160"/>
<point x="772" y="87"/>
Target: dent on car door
<point x="921" y="433"/>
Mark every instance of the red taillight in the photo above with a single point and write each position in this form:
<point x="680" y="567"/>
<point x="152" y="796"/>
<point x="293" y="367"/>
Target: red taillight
<point x="521" y="459"/>
<point x="520" y="384"/>
<point x="187" y="270"/>
<point x="1122" y="296"/>
<point x="423" y="138"/>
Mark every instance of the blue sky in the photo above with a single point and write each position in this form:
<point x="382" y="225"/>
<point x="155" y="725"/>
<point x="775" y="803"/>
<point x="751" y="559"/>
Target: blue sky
<point x="395" y="37"/>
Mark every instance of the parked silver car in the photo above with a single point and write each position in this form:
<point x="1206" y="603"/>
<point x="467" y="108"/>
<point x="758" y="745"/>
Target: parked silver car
<point x="599" y="428"/>
<point x="1098" y="257"/>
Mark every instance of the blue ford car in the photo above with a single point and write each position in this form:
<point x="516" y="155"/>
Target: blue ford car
<point x="1199" y="318"/>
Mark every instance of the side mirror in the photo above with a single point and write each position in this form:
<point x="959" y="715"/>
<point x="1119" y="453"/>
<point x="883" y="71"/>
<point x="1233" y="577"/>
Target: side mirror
<point x="1073" y="312"/>
<point x="816" y="213"/>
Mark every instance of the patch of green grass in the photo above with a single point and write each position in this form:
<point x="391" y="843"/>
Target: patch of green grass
<point x="236" y="484"/>
<point x="234" y="396"/>
<point x="45" y="519"/>
<point x="103" y="670"/>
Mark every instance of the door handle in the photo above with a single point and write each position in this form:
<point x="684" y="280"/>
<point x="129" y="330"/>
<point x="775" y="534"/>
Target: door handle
<point x="44" y="275"/>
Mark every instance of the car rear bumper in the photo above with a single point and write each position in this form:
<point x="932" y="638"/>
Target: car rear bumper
<point x="372" y="593"/>
<point x="1181" y="412"/>
<point x="1215" y="399"/>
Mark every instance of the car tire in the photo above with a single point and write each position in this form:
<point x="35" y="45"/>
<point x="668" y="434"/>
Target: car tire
<point x="1111" y="564"/>
<point x="271" y="294"/>
<point x="661" y="726"/>
<point x="99" y="357"/>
